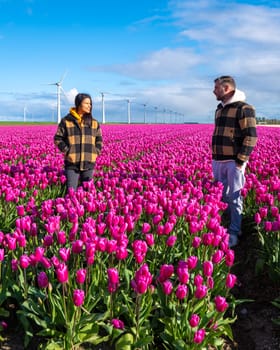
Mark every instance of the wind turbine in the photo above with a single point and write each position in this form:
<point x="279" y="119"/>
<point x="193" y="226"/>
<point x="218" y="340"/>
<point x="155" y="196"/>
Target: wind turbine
<point x="156" y="113"/>
<point x="145" y="111"/>
<point x="59" y="88"/>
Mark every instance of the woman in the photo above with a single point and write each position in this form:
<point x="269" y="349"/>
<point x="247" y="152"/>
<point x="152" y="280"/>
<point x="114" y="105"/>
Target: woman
<point x="79" y="137"/>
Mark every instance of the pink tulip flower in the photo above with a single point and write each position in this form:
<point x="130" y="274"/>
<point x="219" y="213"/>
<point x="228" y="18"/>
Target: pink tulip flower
<point x="113" y="275"/>
<point x="21" y="239"/>
<point x="149" y="237"/>
<point x="220" y="303"/>
<point x="45" y="262"/>
<point x="142" y="280"/>
<point x="139" y="250"/>
<point x="192" y="262"/>
<point x="64" y="254"/>
<point x="257" y="218"/>
<point x="199" y="336"/>
<point x="81" y="276"/>
<point x="210" y="282"/>
<point x="168" y="227"/>
<point x="146" y="227"/>
<point x="231" y="280"/>
<point x="171" y="240"/>
<point x="100" y="228"/>
<point x="118" y="324"/>
<point x="200" y="291"/>
<point x="24" y="261"/>
<point x="157" y="219"/>
<point x="182" y="291"/>
<point x="229" y="257"/>
<point x="196" y="242"/>
<point x="20" y="210"/>
<point x="11" y="242"/>
<point x="194" y="320"/>
<point x="121" y="253"/>
<point x="4" y="324"/>
<point x="167" y="287"/>
<point x="165" y="272"/>
<point x="207" y="238"/>
<point x="183" y="272"/>
<point x="217" y="256"/>
<point x="14" y="264"/>
<point x="268" y="226"/>
<point x="198" y="280"/>
<point x="42" y="280"/>
<point x="2" y="254"/>
<point x="263" y="212"/>
<point x="62" y="273"/>
<point x="48" y="241"/>
<point x="77" y="246"/>
<point x="39" y="253"/>
<point x="274" y="211"/>
<point x="78" y="297"/>
<point x="208" y="268"/>
<point x="111" y="246"/>
<point x="61" y="237"/>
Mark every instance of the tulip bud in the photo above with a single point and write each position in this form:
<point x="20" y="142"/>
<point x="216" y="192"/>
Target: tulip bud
<point x="194" y="320"/>
<point x="42" y="280"/>
<point x="199" y="336"/>
<point x="221" y="304"/>
<point x="78" y="297"/>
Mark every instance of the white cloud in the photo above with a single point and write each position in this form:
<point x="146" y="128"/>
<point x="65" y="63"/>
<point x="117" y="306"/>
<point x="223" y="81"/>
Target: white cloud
<point x="222" y="38"/>
<point x="70" y="95"/>
<point x="227" y="22"/>
<point x="163" y="64"/>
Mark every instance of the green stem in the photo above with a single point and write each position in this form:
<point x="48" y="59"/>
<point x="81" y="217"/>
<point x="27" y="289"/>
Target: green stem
<point x="25" y="284"/>
<point x="111" y="306"/>
<point x="64" y="304"/>
<point x="137" y="313"/>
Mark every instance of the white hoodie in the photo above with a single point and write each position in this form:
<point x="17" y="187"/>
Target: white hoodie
<point x="238" y="96"/>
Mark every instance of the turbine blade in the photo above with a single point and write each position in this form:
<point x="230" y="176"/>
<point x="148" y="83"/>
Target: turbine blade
<point x="63" y="76"/>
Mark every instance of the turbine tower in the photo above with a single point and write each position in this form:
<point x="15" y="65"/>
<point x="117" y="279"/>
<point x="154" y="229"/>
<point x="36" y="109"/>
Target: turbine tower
<point x="24" y="113"/>
<point x="128" y="111"/>
<point x="59" y="88"/>
<point x="103" y="108"/>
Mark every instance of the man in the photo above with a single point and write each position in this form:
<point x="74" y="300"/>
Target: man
<point x="233" y="141"/>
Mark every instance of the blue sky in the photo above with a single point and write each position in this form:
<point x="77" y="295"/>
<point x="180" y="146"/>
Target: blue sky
<point x="159" y="53"/>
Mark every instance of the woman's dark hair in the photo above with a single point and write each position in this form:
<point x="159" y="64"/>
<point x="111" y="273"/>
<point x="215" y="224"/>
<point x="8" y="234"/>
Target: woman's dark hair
<point x="78" y="101"/>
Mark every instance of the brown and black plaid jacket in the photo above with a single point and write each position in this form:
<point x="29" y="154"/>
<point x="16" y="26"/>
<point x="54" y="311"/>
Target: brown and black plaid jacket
<point x="80" y="144"/>
<point x="235" y="132"/>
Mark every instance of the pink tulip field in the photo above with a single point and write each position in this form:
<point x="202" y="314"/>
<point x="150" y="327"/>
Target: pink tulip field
<point x="138" y="258"/>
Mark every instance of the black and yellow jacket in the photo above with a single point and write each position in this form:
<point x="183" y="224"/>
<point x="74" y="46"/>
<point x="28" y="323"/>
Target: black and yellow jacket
<point x="80" y="141"/>
<point x="235" y="134"/>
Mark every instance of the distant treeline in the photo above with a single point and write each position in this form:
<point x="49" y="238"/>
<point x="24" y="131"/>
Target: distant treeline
<point x="263" y="120"/>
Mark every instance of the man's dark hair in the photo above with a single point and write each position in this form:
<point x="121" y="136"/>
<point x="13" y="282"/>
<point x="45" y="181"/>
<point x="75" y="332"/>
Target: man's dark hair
<point x="226" y="79"/>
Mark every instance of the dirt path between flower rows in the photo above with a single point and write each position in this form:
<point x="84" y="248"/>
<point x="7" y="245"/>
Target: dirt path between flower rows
<point x="254" y="328"/>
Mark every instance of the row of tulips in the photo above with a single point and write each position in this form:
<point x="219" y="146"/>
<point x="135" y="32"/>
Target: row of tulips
<point x="262" y="194"/>
<point x="137" y="258"/>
